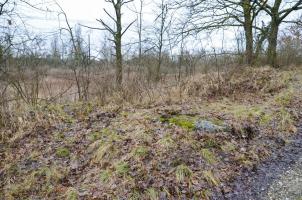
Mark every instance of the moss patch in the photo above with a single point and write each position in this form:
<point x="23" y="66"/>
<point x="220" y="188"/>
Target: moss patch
<point x="183" y="122"/>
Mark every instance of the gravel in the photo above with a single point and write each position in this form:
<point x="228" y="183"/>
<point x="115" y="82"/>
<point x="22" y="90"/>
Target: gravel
<point x="288" y="185"/>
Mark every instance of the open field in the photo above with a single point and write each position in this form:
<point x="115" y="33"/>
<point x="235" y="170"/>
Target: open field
<point x="180" y="142"/>
<point x="150" y="100"/>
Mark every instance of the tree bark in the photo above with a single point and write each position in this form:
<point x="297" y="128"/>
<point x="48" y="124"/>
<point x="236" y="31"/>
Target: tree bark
<point x="163" y="16"/>
<point x="248" y="30"/>
<point x="158" y="75"/>
<point x="117" y="33"/>
<point x="272" y="44"/>
<point x="118" y="45"/>
<point x="273" y="34"/>
<point x="140" y="34"/>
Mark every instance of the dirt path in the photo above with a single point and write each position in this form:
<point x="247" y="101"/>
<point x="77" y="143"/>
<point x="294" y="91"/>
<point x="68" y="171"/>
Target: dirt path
<point x="288" y="185"/>
<point x="278" y="178"/>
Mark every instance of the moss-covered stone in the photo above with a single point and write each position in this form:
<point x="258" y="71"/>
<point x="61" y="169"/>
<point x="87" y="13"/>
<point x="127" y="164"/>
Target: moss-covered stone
<point x="184" y="122"/>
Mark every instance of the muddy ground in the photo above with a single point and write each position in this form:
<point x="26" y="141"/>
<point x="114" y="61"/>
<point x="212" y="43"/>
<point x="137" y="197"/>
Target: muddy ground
<point x="278" y="178"/>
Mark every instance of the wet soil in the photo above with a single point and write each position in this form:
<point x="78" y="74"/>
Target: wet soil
<point x="279" y="177"/>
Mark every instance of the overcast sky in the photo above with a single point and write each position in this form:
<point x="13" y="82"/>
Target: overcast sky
<point x="79" y="12"/>
<point x="87" y="11"/>
<point x="84" y="12"/>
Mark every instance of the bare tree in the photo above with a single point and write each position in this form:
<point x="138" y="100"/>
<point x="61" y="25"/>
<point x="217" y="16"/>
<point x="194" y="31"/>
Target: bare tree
<point x="55" y="52"/>
<point x="161" y="26"/>
<point x="5" y="39"/>
<point x="3" y="9"/>
<point x="278" y="10"/>
<point x="140" y="30"/>
<point x="138" y="10"/>
<point x="117" y="34"/>
<point x="218" y="14"/>
<point x="80" y="63"/>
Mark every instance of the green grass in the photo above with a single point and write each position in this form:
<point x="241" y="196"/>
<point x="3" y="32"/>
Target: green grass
<point x="265" y="119"/>
<point x="72" y="194"/>
<point x="105" y="176"/>
<point x="152" y="194"/>
<point x="182" y="173"/>
<point x="62" y="152"/>
<point x="122" y="168"/>
<point x="228" y="147"/>
<point x="210" y="143"/>
<point x="59" y="136"/>
<point x="210" y="178"/>
<point x="286" y="120"/>
<point x="140" y="152"/>
<point x="58" y="110"/>
<point x="94" y="136"/>
<point x="285" y="98"/>
<point x="183" y="121"/>
<point x="167" y="142"/>
<point x="135" y="195"/>
<point x="247" y="113"/>
<point x="208" y="156"/>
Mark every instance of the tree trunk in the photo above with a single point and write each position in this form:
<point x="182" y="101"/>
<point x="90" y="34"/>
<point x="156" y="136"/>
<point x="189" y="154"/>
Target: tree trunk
<point x="248" y="29"/>
<point x="158" y="75"/>
<point x="272" y="44"/>
<point x="119" y="63"/>
<point x="273" y="34"/>
<point x="249" y="45"/>
<point x="118" y="46"/>
<point x="161" y="40"/>
<point x="140" y="34"/>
